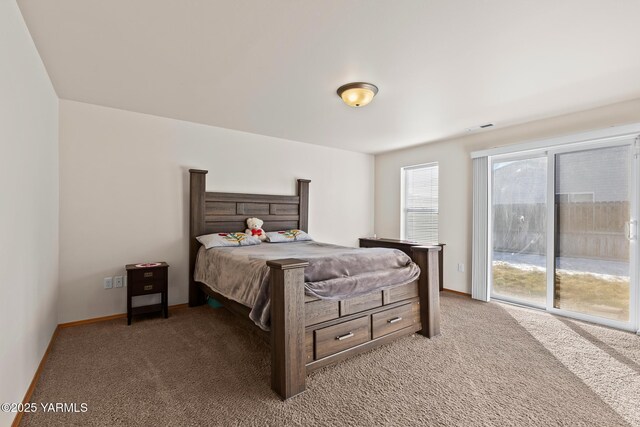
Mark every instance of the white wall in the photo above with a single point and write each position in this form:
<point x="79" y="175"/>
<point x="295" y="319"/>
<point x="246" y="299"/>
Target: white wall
<point x="124" y="194"/>
<point x="455" y="177"/>
<point x="28" y="208"/>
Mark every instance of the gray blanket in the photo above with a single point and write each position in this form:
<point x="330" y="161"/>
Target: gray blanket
<point x="334" y="272"/>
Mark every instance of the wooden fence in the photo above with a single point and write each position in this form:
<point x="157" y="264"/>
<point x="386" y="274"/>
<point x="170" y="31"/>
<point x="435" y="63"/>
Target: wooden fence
<point x="584" y="230"/>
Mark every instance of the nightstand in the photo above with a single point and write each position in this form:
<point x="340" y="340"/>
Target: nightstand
<point x="146" y="280"/>
<point x="404" y="246"/>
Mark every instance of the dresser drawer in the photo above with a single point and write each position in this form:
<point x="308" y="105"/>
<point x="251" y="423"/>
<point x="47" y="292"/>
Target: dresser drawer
<point x="143" y="288"/>
<point x="342" y="336"/>
<point x="394" y="319"/>
<point x="148" y="275"/>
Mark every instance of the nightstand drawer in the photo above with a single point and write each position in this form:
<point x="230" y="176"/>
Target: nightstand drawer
<point x="148" y="275"/>
<point x="143" y="288"/>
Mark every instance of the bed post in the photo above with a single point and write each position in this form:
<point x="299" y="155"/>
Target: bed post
<point x="197" y="186"/>
<point x="428" y="288"/>
<point x="288" y="364"/>
<point x="303" y="193"/>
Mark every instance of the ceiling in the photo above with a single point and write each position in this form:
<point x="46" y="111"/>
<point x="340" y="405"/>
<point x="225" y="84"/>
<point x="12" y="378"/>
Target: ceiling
<point x="272" y="67"/>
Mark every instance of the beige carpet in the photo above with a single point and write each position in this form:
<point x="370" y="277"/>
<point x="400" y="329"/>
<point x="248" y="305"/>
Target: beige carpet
<point x="489" y="367"/>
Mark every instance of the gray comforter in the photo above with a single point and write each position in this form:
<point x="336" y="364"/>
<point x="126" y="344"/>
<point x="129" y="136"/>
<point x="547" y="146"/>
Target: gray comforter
<point x="334" y="272"/>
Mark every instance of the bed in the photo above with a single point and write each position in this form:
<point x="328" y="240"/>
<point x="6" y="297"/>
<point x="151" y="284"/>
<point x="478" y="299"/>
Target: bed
<point x="306" y="329"/>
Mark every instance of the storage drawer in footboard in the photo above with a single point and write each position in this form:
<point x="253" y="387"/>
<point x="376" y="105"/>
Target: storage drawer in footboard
<point x="317" y="311"/>
<point x="334" y="339"/>
<point x="399" y="293"/>
<point x="394" y="319"/>
<point x="361" y="303"/>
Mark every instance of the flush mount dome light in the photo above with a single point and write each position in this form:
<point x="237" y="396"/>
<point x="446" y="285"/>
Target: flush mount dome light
<point x="357" y="94"/>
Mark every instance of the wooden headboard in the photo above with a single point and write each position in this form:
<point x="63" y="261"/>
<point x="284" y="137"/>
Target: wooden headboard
<point x="211" y="212"/>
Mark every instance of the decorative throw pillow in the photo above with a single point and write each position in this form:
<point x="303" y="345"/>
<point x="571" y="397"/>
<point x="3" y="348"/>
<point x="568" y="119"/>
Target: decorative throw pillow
<point x="217" y="240"/>
<point x="287" y="236"/>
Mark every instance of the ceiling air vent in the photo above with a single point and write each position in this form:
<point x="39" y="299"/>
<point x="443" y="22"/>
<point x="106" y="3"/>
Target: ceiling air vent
<point x="485" y="126"/>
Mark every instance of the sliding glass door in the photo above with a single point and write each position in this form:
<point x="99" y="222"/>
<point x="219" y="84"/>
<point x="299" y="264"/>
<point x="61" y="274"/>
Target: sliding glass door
<point x="563" y="231"/>
<point x="593" y="222"/>
<point x="519" y="223"/>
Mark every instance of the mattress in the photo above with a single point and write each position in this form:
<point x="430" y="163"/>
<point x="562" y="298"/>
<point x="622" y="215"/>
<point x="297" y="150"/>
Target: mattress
<point x="334" y="272"/>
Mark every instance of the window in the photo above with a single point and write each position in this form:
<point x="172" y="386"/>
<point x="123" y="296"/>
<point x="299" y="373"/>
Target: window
<point x="420" y="203"/>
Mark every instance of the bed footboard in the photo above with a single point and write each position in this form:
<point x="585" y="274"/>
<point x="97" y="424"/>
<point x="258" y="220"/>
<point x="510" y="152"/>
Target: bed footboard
<point x="289" y="334"/>
<point x="288" y="369"/>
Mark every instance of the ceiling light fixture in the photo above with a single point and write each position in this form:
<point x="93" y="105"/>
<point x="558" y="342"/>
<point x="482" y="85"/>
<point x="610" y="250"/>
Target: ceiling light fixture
<point x="357" y="94"/>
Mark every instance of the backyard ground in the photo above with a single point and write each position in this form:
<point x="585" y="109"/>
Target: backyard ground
<point x="592" y="293"/>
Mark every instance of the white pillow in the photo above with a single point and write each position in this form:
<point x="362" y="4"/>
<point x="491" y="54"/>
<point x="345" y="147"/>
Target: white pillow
<point x="217" y="240"/>
<point x="287" y="236"/>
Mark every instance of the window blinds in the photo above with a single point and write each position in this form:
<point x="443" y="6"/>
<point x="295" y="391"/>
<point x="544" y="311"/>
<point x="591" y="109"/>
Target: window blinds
<point x="421" y="203"/>
<point x="479" y="282"/>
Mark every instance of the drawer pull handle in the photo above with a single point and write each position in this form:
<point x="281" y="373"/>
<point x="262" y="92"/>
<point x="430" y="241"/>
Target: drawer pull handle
<point x="148" y="287"/>
<point x="149" y="274"/>
<point x="344" y="337"/>
<point x="394" y="320"/>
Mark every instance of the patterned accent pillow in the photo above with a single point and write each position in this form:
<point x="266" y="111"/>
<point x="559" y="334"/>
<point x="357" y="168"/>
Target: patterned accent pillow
<point x="287" y="236"/>
<point x="217" y="240"/>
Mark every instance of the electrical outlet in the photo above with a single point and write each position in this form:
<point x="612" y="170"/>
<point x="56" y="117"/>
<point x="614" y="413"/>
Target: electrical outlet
<point x="117" y="281"/>
<point x="108" y="282"/>
<point x="461" y="267"/>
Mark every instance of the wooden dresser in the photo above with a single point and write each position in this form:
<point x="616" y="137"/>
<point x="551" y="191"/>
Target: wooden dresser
<point x="404" y="246"/>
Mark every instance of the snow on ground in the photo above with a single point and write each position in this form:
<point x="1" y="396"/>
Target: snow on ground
<point x="576" y="265"/>
<point x="529" y="267"/>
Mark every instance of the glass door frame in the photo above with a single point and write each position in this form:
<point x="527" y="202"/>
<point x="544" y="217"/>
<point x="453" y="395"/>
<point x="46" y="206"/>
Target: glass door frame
<point x="633" y="142"/>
